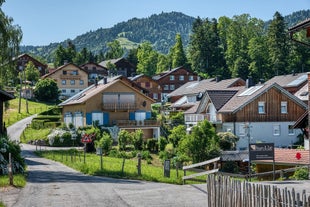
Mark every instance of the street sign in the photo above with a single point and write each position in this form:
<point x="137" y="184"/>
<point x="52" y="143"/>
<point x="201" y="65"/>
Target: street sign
<point x="87" y="138"/>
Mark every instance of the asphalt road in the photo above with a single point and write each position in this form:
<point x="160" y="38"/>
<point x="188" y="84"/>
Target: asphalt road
<point x="53" y="184"/>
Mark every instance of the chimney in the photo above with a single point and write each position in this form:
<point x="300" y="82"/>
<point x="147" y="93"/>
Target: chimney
<point x="249" y="82"/>
<point x="293" y="73"/>
<point x="96" y="82"/>
<point x="105" y="80"/>
<point x="217" y="78"/>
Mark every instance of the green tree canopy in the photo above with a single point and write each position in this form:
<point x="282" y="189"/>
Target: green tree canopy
<point x="178" y="57"/>
<point x="114" y="50"/>
<point x="46" y="90"/>
<point x="31" y="72"/>
<point x="147" y="59"/>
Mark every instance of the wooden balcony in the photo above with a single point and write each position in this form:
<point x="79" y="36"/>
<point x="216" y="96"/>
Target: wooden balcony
<point x="70" y="77"/>
<point x="134" y="123"/>
<point x="119" y="106"/>
<point x="194" y="118"/>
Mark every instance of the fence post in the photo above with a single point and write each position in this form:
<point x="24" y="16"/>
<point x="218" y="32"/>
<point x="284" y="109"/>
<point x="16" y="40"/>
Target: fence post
<point x="139" y="164"/>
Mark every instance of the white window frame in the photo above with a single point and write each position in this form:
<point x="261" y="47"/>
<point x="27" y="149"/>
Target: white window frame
<point x="276" y="130"/>
<point x="261" y="107"/>
<point x="63" y="82"/>
<point x="291" y="130"/>
<point x="72" y="82"/>
<point x="166" y="87"/>
<point x="155" y="95"/>
<point x="97" y="116"/>
<point x="172" y="87"/>
<point x="191" y="77"/>
<point x="181" y="78"/>
<point x="81" y="82"/>
<point x="171" y="77"/>
<point x="283" y="107"/>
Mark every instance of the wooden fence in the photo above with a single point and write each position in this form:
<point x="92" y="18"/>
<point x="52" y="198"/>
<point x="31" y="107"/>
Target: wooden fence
<point x="226" y="192"/>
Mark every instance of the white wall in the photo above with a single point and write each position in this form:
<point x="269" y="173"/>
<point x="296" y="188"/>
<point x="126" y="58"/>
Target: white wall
<point x="262" y="132"/>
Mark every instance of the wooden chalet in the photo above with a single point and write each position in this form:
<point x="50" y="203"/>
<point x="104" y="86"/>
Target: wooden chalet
<point x="122" y="67"/>
<point x="23" y="59"/>
<point x="115" y="105"/>
<point x="95" y="71"/>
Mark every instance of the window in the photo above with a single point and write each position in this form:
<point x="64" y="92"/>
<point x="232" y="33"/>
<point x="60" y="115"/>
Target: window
<point x="74" y="72"/>
<point x="172" y="87"/>
<point x="172" y="77"/>
<point x="147" y="84"/>
<point x="63" y="82"/>
<point x="64" y="72"/>
<point x="81" y="82"/>
<point x="276" y="130"/>
<point x="72" y="82"/>
<point x="97" y="117"/>
<point x="242" y="130"/>
<point x="191" y="78"/>
<point x="291" y="130"/>
<point x="166" y="87"/>
<point x="283" y="107"/>
<point x="63" y="91"/>
<point x="155" y="96"/>
<point x="72" y="91"/>
<point x="261" y="107"/>
<point x="181" y="77"/>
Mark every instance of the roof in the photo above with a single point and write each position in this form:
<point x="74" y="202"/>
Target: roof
<point x="246" y="95"/>
<point x="289" y="157"/>
<point x="194" y="87"/>
<point x="93" y="90"/>
<point x="235" y="155"/>
<point x="303" y="93"/>
<point x="168" y="72"/>
<point x="220" y="98"/>
<point x="114" y="61"/>
<point x="290" y="80"/>
<point x="92" y="63"/>
<point x="61" y="67"/>
<point x="5" y="96"/>
<point x="302" y="25"/>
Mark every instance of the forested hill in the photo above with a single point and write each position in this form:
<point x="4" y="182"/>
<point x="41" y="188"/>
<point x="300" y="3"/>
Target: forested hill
<point x="159" y="29"/>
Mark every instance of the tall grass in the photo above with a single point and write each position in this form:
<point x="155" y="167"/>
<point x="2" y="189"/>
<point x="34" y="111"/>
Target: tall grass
<point x="19" y="180"/>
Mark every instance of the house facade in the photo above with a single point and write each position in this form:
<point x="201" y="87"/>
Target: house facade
<point x="23" y="59"/>
<point x="151" y="85"/>
<point x="70" y="78"/>
<point x="121" y="67"/>
<point x="172" y="79"/>
<point x="95" y="71"/>
<point x="4" y="96"/>
<point x="114" y="105"/>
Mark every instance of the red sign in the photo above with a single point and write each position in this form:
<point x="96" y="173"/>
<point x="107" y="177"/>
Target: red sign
<point x="87" y="138"/>
<point x="298" y="156"/>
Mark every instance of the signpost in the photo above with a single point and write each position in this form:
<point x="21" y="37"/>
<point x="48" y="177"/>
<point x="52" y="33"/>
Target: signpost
<point x="86" y="138"/>
<point x="262" y="151"/>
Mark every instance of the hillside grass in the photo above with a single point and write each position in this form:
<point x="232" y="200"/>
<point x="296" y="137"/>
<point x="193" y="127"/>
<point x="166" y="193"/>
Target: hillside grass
<point x="11" y="115"/>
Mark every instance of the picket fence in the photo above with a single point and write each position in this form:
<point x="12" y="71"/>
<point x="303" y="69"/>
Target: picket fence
<point x="223" y="191"/>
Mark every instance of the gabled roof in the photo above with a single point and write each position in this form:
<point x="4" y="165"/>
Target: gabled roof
<point x="168" y="72"/>
<point x="114" y="61"/>
<point x="248" y="95"/>
<point x="290" y="80"/>
<point x="92" y="63"/>
<point x="31" y="59"/>
<point x="61" y="67"/>
<point x="128" y="80"/>
<point x="303" y="93"/>
<point x="5" y="96"/>
<point x="194" y="87"/>
<point x="93" y="90"/>
<point x="220" y="98"/>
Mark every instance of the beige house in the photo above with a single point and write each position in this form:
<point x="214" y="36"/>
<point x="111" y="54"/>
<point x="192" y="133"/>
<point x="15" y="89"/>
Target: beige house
<point x="114" y="105"/>
<point x="70" y="78"/>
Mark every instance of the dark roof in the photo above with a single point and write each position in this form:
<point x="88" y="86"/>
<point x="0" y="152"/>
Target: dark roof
<point x="168" y="72"/>
<point x="5" y="96"/>
<point x="235" y="155"/>
<point x="220" y="98"/>
<point x="302" y="25"/>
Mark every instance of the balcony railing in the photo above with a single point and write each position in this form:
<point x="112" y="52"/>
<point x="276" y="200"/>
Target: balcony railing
<point x="194" y="118"/>
<point x="71" y="77"/>
<point x="119" y="106"/>
<point x="135" y="123"/>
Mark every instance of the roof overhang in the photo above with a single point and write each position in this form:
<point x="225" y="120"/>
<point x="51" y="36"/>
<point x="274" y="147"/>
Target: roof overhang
<point x="304" y="25"/>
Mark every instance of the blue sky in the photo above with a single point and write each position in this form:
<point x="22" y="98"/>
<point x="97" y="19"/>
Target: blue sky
<point x="47" y="21"/>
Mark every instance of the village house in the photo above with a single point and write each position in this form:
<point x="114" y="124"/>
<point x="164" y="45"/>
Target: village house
<point x="114" y="105"/>
<point x="172" y="79"/>
<point x="70" y="78"/>
<point x="4" y="96"/>
<point x="95" y="72"/>
<point x="151" y="85"/>
<point x="119" y="66"/>
<point x="23" y="59"/>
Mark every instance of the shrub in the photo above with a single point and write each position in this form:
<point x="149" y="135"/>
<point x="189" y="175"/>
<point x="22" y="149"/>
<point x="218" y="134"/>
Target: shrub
<point x="137" y="139"/>
<point x="105" y="142"/>
<point x="124" y="138"/>
<point x="152" y="145"/>
<point x="301" y="174"/>
<point x="162" y="143"/>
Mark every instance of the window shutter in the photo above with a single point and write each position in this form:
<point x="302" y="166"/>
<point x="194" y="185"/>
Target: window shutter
<point x="106" y="118"/>
<point x="88" y="119"/>
<point x="147" y="115"/>
<point x="131" y="115"/>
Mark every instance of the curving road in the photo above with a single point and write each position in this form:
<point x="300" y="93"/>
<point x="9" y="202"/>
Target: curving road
<point x="52" y="184"/>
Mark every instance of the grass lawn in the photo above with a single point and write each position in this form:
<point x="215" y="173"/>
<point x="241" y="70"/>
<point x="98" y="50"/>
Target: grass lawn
<point x="112" y="167"/>
<point x="11" y="114"/>
<point x="19" y="180"/>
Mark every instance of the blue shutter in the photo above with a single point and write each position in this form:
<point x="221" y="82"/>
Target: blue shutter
<point x="147" y="115"/>
<point x="131" y="115"/>
<point x="106" y="118"/>
<point x="88" y="119"/>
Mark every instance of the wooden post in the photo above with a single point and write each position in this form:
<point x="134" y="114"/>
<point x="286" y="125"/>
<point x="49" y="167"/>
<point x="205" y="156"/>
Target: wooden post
<point x="139" y="164"/>
<point x="123" y="165"/>
<point x="101" y="164"/>
<point x="10" y="169"/>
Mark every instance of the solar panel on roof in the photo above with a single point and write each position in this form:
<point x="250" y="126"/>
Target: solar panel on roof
<point x="250" y="90"/>
<point x="298" y="81"/>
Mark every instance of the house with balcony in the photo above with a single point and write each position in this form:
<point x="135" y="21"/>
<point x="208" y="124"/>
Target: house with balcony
<point x="114" y="105"/>
<point x="23" y="59"/>
<point x="119" y="66"/>
<point x="171" y="80"/>
<point x="95" y="72"/>
<point x="70" y="78"/>
<point x="151" y="85"/>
